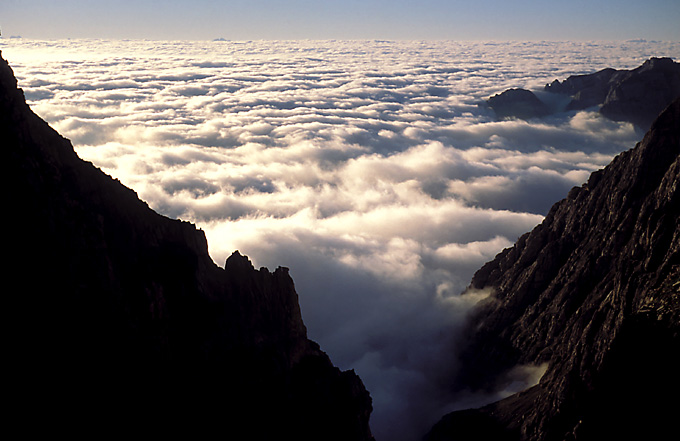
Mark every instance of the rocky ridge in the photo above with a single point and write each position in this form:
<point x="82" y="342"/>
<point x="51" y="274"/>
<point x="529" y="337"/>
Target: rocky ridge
<point x="636" y="96"/>
<point x="594" y="292"/>
<point x="117" y="319"/>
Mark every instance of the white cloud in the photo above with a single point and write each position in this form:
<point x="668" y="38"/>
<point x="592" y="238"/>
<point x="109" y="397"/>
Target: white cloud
<point x="367" y="168"/>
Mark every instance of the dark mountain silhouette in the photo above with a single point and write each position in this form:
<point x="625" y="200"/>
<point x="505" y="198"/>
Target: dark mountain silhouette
<point x="117" y="320"/>
<point x="636" y="96"/>
<point x="594" y="291"/>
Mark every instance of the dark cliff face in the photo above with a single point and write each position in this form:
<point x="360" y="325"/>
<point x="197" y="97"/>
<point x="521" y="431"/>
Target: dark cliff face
<point x="636" y="96"/>
<point x="594" y="291"/>
<point x="116" y="316"/>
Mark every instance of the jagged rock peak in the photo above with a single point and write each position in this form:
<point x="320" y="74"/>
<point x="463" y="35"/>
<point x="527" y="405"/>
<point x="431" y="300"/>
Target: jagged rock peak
<point x="238" y="260"/>
<point x="594" y="292"/>
<point x="118" y="319"/>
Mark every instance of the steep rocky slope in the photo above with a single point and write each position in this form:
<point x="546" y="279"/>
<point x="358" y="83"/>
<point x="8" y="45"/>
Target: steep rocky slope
<point x="594" y="291"/>
<point x="117" y="319"/>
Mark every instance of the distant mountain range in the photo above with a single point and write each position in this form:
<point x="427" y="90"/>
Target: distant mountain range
<point x="636" y="96"/>
<point x="594" y="293"/>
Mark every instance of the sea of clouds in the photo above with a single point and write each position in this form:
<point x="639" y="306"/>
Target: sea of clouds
<point x="369" y="168"/>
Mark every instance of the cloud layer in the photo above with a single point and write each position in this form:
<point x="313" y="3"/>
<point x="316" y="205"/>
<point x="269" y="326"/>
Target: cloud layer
<point x="368" y="168"/>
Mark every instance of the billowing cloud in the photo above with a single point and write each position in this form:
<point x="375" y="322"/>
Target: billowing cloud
<point x="370" y="169"/>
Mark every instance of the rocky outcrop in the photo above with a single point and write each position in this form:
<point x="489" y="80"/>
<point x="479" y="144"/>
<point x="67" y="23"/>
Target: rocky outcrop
<point x="117" y="319"/>
<point x="594" y="292"/>
<point x="636" y="96"/>
<point x="517" y="103"/>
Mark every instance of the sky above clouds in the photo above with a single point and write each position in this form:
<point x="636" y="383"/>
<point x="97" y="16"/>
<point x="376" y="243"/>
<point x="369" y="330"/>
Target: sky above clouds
<point x="371" y="169"/>
<point x="347" y="19"/>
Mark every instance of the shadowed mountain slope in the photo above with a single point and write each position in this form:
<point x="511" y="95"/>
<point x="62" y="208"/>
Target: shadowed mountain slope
<point x="594" y="291"/>
<point x="117" y="319"/>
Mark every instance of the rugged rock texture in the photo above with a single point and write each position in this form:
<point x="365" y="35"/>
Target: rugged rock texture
<point x="517" y="103"/>
<point x="594" y="291"/>
<point x="636" y="96"/>
<point x="117" y="319"/>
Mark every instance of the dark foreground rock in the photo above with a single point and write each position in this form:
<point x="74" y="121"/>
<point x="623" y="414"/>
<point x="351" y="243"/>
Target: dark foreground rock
<point x="117" y="321"/>
<point x="517" y="103"/>
<point x="594" y="292"/>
